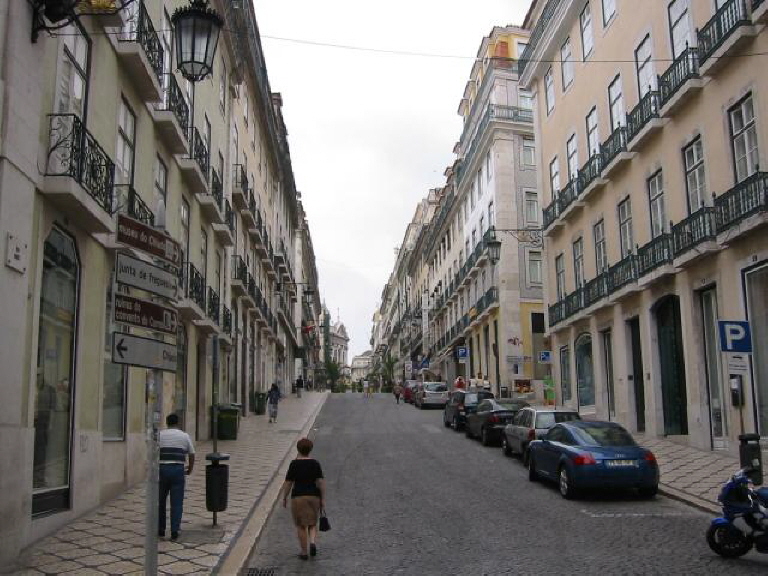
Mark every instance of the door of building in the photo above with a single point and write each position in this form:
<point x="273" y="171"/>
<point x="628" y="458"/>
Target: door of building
<point x="712" y="363"/>
<point x="637" y="372"/>
<point x="757" y="306"/>
<point x="673" y="394"/>
<point x="585" y="381"/>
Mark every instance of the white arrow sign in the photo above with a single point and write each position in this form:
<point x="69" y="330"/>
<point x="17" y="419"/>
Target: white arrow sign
<point x="145" y="352"/>
<point x="139" y="274"/>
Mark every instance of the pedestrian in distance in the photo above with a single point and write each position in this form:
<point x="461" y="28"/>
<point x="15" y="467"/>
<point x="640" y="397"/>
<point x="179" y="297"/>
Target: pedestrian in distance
<point x="305" y="484"/>
<point x="397" y="390"/>
<point x="175" y="448"/>
<point x="299" y="386"/>
<point x="273" y="397"/>
<point x="366" y="389"/>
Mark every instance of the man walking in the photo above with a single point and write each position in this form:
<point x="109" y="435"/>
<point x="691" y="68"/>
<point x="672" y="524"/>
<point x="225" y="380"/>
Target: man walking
<point x="299" y="386"/>
<point x="175" y="447"/>
<point x="366" y="389"/>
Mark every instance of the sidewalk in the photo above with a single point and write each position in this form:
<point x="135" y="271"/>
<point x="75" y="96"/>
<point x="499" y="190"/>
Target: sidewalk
<point x="692" y="475"/>
<point x="110" y="539"/>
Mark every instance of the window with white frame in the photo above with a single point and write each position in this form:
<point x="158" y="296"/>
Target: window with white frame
<point x="488" y="166"/>
<point x="646" y="80"/>
<point x="531" y="208"/>
<point x="126" y="142"/>
<point x="560" y="276"/>
<point x="534" y="267"/>
<point x="524" y="99"/>
<point x="679" y="26"/>
<point x="695" y="179"/>
<point x="656" y="204"/>
<point x="222" y="87"/>
<point x="601" y="252"/>
<point x="565" y="372"/>
<point x="472" y="196"/>
<point x="744" y="138"/>
<point x="529" y="152"/>
<point x="480" y="183"/>
<point x="572" y="156"/>
<point x="593" y="138"/>
<point x="70" y="97"/>
<point x="625" y="227"/>
<point x="549" y="90"/>
<point x="245" y="109"/>
<point x="609" y="11"/>
<point x="578" y="262"/>
<point x="585" y="23"/>
<point x="616" y="103"/>
<point x="566" y="63"/>
<point x="491" y="214"/>
<point x="554" y="176"/>
<point x="161" y="179"/>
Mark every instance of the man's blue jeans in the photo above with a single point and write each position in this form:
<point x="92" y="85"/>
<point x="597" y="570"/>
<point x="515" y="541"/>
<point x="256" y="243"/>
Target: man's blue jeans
<point x="171" y="481"/>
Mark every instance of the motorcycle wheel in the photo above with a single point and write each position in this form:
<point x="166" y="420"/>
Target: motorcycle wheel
<point x="727" y="541"/>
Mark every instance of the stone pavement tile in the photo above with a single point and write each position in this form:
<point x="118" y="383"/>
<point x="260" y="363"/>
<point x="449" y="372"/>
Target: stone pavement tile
<point x="187" y="553"/>
<point x="97" y="560"/>
<point x="111" y="546"/>
<point x="181" y="567"/>
<point x="40" y="558"/>
<point x="207" y="561"/>
<point x="122" y="567"/>
<point x="60" y="566"/>
<point x="73" y="553"/>
<point x="29" y="572"/>
<point x="130" y="553"/>
<point x="83" y="572"/>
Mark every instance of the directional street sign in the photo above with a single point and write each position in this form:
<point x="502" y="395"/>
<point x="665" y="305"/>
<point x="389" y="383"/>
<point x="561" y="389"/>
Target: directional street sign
<point x="145" y="352"/>
<point x="134" y="272"/>
<point x="145" y="238"/>
<point x="735" y="336"/>
<point x="145" y="314"/>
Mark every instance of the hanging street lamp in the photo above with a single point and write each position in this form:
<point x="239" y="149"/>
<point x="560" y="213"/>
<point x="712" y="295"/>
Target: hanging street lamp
<point x="494" y="250"/>
<point x="197" y="29"/>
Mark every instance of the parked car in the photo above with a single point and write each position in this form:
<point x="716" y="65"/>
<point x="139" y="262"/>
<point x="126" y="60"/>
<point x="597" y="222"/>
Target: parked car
<point x="408" y="390"/>
<point x="431" y="394"/>
<point x="492" y="415"/>
<point x="461" y="403"/>
<point x="531" y="423"/>
<point x="579" y="455"/>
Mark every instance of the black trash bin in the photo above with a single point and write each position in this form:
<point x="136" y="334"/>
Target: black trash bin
<point x="750" y="456"/>
<point x="216" y="482"/>
<point x="229" y="420"/>
<point x="261" y="402"/>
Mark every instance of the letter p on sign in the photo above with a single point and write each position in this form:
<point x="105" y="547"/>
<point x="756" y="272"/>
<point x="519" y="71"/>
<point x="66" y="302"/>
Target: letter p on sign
<point x="735" y="336"/>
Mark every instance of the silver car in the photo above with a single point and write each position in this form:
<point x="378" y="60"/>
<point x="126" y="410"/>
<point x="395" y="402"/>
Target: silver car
<point x="431" y="394"/>
<point x="532" y="423"/>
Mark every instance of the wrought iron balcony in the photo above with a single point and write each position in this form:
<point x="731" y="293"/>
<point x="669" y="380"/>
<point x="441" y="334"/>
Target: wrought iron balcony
<point x="596" y="289"/>
<point x="143" y="54"/>
<point x="615" y="144"/>
<point x="569" y="194"/>
<point x="130" y="203"/>
<point x="654" y="254"/>
<point x="225" y="229"/>
<point x="747" y="198"/>
<point x="574" y="302"/>
<point x="248" y="211"/>
<point x="195" y="166"/>
<point x="226" y="320"/>
<point x="551" y="212"/>
<point x="213" y="305"/>
<point x="557" y="312"/>
<point x="590" y="172"/>
<point x="239" y="284"/>
<point x="171" y="115"/>
<point x="229" y="216"/>
<point x="693" y="230"/>
<point x="200" y="152"/>
<point x="74" y="152"/>
<point x="239" y="187"/>
<point x="684" y="68"/>
<point x="623" y="273"/>
<point x="642" y="114"/>
<point x="538" y="31"/>
<point x="731" y="15"/>
<point x="194" y="285"/>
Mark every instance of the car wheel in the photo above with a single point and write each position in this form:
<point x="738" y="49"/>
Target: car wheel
<point x="484" y="439"/>
<point x="567" y="490"/>
<point x="526" y="454"/>
<point x="445" y="422"/>
<point x="467" y="430"/>
<point x="455" y="424"/>
<point x="505" y="446"/>
<point x="533" y="475"/>
<point x="648" y="492"/>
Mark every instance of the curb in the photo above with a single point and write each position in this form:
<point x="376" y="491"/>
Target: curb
<point x="233" y="561"/>
<point x="689" y="499"/>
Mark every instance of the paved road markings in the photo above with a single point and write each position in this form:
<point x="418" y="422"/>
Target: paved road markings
<point x="638" y="514"/>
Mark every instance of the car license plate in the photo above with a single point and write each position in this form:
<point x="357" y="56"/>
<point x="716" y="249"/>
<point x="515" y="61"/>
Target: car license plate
<point x="618" y="463"/>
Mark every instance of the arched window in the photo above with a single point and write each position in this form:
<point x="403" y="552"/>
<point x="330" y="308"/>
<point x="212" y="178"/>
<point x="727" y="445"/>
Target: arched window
<point x="55" y="373"/>
<point x="585" y="382"/>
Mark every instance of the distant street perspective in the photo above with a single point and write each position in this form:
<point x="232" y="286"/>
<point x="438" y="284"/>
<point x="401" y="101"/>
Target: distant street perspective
<point x="408" y="496"/>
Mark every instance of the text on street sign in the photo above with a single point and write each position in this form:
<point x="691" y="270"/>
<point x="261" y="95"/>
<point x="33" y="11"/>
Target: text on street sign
<point x="134" y="272"/>
<point x="145" y="314"/>
<point x="735" y="336"/>
<point x="144" y="352"/>
<point x="145" y="238"/>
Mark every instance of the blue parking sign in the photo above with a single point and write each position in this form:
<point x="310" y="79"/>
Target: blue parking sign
<point x="735" y="336"/>
<point x="462" y="352"/>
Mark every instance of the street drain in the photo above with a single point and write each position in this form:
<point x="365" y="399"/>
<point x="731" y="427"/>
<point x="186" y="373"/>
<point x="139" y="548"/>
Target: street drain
<point x="261" y="572"/>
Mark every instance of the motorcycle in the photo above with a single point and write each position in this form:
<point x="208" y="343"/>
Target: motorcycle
<point x="744" y="522"/>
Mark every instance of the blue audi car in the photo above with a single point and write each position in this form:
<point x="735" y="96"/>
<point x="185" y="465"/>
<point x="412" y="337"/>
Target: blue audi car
<point x="583" y="454"/>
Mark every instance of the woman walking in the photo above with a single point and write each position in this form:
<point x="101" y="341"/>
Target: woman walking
<point x="397" y="391"/>
<point x="306" y="486"/>
<point x="273" y="397"/>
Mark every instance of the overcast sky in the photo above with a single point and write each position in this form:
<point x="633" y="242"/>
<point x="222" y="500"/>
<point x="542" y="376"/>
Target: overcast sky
<point x="370" y="133"/>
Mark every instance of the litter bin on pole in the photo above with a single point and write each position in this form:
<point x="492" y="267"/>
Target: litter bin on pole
<point x="750" y="456"/>
<point x="216" y="483"/>
<point x="261" y="403"/>
<point x="229" y="421"/>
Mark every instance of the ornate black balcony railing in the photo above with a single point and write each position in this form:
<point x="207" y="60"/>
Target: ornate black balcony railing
<point x="217" y="189"/>
<point x="174" y="101"/>
<point x="693" y="230"/>
<point x="551" y="212"/>
<point x="716" y="31"/>
<point x="239" y="270"/>
<point x="241" y="179"/>
<point x="252" y="203"/>
<point x="252" y="288"/>
<point x="74" y="152"/>
<point x="569" y="194"/>
<point x="595" y="289"/>
<point x="538" y="31"/>
<point x="226" y="320"/>
<point x="574" y="302"/>
<point x="144" y="34"/>
<point x="194" y="285"/>
<point x="685" y="67"/>
<point x="229" y="215"/>
<point x="129" y="202"/>
<point x="614" y="145"/>
<point x="748" y="197"/>
<point x="557" y="312"/>
<point x="200" y="151"/>
<point x="655" y="253"/>
<point x="645" y="111"/>
<point x="213" y="305"/>
<point x="590" y="171"/>
<point x="622" y="273"/>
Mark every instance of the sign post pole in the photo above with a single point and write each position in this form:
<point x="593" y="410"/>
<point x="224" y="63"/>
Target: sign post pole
<point x="152" y="500"/>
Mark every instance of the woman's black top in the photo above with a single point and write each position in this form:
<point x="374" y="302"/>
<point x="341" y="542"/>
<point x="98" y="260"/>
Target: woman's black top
<point x="304" y="475"/>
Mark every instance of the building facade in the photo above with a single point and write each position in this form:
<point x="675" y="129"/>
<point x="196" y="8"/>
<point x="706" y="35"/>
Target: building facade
<point x="360" y="366"/>
<point x="650" y="130"/>
<point x="96" y="122"/>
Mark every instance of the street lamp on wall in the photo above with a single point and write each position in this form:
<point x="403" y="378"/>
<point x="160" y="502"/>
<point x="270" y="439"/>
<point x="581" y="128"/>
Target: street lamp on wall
<point x="197" y="29"/>
<point x="494" y="250"/>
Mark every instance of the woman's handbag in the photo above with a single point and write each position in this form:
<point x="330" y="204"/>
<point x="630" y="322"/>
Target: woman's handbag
<point x="324" y="525"/>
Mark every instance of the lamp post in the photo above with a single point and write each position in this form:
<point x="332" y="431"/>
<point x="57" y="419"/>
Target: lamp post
<point x="197" y="29"/>
<point x="494" y="255"/>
